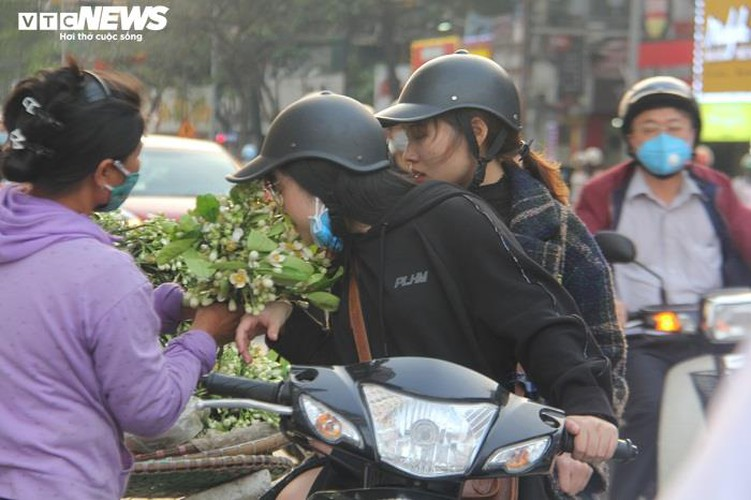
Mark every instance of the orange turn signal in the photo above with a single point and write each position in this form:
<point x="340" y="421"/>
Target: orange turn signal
<point x="666" y="321"/>
<point x="328" y="426"/>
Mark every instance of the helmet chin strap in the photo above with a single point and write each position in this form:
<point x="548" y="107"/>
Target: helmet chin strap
<point x="482" y="161"/>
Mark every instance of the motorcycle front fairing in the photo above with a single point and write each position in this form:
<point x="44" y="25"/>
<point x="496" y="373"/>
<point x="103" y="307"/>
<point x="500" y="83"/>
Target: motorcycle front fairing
<point x="379" y="494"/>
<point x="345" y="399"/>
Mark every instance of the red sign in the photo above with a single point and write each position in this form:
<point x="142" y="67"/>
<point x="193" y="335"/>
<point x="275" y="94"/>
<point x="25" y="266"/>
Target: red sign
<point x="422" y="51"/>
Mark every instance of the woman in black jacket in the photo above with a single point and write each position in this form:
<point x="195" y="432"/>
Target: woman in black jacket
<point x="437" y="273"/>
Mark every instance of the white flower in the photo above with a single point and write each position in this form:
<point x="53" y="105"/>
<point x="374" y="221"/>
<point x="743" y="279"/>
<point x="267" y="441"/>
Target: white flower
<point x="239" y="278"/>
<point x="237" y="234"/>
<point x="253" y="255"/>
<point x="213" y="255"/>
<point x="276" y="258"/>
<point x="232" y="306"/>
<point x="267" y="283"/>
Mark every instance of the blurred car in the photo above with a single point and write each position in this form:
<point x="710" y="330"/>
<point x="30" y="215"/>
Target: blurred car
<point x="174" y="170"/>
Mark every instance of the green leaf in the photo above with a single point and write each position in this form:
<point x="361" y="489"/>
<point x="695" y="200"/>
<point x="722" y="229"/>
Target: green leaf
<point x="207" y="206"/>
<point x="276" y="230"/>
<point x="288" y="276"/>
<point x="260" y="242"/>
<point x="188" y="224"/>
<point x="230" y="264"/>
<point x="173" y="249"/>
<point x="197" y="264"/>
<point x="297" y="264"/>
<point x="322" y="282"/>
<point x="324" y="301"/>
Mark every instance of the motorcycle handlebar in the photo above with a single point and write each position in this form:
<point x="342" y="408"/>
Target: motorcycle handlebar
<point x="241" y="387"/>
<point x="625" y="450"/>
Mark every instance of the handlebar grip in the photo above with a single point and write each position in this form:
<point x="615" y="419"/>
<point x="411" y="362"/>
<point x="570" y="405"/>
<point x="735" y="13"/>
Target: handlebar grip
<point x="625" y="450"/>
<point x="241" y="387"/>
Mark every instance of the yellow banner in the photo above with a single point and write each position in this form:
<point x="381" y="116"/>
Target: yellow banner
<point x="727" y="46"/>
<point x="725" y="121"/>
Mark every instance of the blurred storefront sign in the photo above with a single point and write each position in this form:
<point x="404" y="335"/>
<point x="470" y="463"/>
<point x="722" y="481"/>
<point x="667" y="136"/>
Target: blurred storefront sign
<point x="422" y="51"/>
<point x="725" y="54"/>
<point x="426" y="49"/>
<point x="722" y="69"/>
<point x="726" y="121"/>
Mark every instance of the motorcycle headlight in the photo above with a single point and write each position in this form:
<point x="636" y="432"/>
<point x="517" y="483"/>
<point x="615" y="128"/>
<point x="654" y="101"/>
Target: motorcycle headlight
<point x="427" y="438"/>
<point x="727" y="316"/>
<point x="328" y="424"/>
<point x="519" y="457"/>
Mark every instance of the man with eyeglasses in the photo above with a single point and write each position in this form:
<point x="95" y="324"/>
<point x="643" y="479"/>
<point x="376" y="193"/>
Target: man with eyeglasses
<point x="688" y="227"/>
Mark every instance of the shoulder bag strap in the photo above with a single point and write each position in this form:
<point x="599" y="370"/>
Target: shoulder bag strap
<point x="356" y="320"/>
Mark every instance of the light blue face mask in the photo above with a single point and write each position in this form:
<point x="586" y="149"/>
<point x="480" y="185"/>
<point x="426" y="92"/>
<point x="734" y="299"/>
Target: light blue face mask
<point x="320" y="229"/>
<point x="664" y="155"/>
<point x="119" y="194"/>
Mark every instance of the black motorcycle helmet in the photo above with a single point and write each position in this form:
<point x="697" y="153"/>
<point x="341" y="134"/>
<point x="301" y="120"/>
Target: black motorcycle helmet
<point x="324" y="126"/>
<point x="658" y="92"/>
<point x="456" y="81"/>
<point x="459" y="81"/>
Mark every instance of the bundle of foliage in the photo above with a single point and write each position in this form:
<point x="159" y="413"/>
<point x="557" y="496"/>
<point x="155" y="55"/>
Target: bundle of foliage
<point x="239" y="249"/>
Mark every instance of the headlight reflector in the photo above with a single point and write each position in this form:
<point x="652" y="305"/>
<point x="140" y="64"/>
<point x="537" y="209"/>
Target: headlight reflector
<point x="727" y="316"/>
<point x="427" y="438"/>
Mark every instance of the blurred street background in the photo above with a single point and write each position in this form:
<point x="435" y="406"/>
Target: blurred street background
<point x="222" y="69"/>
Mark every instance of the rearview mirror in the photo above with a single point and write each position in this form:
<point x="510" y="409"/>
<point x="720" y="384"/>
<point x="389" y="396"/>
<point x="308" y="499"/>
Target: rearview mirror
<point x="616" y="248"/>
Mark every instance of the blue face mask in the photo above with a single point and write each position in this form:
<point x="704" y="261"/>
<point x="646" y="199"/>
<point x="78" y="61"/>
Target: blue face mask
<point x="664" y="155"/>
<point x="320" y="229"/>
<point x="118" y="194"/>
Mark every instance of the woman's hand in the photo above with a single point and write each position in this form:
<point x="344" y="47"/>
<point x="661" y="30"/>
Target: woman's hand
<point x="269" y="322"/>
<point x="573" y="475"/>
<point x="595" y="439"/>
<point x="217" y="321"/>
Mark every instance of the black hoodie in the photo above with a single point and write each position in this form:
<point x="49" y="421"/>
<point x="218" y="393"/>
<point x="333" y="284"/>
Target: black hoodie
<point x="441" y="276"/>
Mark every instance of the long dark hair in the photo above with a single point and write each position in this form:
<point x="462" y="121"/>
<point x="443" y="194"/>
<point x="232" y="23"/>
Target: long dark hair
<point x="541" y="168"/>
<point x="64" y="122"/>
<point x="350" y="196"/>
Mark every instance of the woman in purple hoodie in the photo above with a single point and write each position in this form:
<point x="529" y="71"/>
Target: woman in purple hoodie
<point x="80" y="361"/>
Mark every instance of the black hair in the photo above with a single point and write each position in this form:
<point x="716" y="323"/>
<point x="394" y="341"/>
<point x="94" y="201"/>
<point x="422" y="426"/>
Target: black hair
<point x="350" y="195"/>
<point x="64" y="122"/>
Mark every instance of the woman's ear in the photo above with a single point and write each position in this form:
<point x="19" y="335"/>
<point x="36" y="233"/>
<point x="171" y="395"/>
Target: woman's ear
<point x="480" y="130"/>
<point x="104" y="175"/>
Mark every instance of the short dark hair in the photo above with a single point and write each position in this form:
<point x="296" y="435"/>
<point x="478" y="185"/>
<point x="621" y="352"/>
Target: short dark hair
<point x="65" y="121"/>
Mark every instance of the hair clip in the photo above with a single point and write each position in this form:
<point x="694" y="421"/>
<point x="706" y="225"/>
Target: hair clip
<point x="17" y="139"/>
<point x="33" y="108"/>
<point x="30" y="105"/>
<point x="524" y="150"/>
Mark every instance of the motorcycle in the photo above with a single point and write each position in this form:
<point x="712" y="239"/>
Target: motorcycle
<point x="412" y="428"/>
<point x="717" y="324"/>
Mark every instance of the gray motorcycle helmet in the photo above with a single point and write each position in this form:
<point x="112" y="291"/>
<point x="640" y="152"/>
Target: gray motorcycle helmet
<point x="658" y="92"/>
<point x="455" y="81"/>
<point x="325" y="126"/>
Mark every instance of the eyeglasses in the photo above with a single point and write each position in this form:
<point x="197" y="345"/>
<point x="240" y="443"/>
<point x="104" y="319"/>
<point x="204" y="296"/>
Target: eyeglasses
<point x="94" y="88"/>
<point x="672" y="128"/>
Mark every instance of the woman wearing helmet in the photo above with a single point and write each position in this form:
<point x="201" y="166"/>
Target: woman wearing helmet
<point x="687" y="226"/>
<point x="403" y="247"/>
<point x="463" y="121"/>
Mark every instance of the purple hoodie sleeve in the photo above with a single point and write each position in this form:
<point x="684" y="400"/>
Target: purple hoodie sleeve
<point x="168" y="303"/>
<point x="146" y="387"/>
